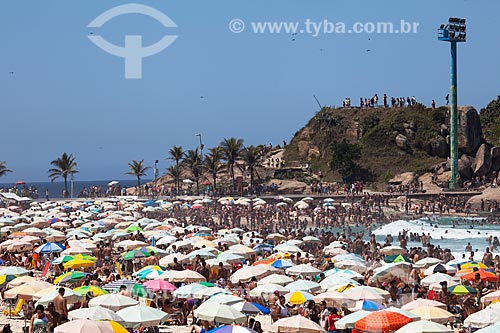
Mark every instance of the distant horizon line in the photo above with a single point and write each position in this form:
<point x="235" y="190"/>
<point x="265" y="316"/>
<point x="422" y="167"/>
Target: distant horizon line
<point x="62" y="182"/>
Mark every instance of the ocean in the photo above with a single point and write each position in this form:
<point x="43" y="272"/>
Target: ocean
<point x="56" y="188"/>
<point x="444" y="234"/>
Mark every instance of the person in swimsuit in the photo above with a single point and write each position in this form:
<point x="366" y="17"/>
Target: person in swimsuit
<point x="39" y="322"/>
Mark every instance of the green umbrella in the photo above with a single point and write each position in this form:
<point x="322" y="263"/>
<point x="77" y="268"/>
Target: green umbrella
<point x="396" y="258"/>
<point x="460" y="289"/>
<point x="137" y="253"/>
<point x="206" y="284"/>
<point x="138" y="290"/>
<point x="134" y="228"/>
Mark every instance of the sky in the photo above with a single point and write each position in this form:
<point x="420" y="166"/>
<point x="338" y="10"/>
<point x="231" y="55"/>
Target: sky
<point x="59" y="92"/>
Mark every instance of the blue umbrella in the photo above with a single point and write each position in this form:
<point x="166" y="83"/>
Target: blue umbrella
<point x="49" y="248"/>
<point x="282" y="263"/>
<point x="149" y="203"/>
<point x="369" y="306"/>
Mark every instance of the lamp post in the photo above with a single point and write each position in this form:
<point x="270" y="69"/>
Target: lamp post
<point x="201" y="145"/>
<point x="155" y="173"/>
<point x="454" y="32"/>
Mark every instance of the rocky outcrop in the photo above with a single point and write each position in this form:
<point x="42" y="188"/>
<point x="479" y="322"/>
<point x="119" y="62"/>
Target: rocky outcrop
<point x="401" y="141"/>
<point x="490" y="194"/>
<point x="495" y="158"/>
<point x="465" y="164"/>
<point x="482" y="163"/>
<point x="470" y="133"/>
<point x="289" y="186"/>
<point x="439" y="147"/>
<point x="404" y="178"/>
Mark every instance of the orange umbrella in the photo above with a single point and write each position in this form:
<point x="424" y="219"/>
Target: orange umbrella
<point x="382" y="322"/>
<point x="484" y="275"/>
<point x="265" y="261"/>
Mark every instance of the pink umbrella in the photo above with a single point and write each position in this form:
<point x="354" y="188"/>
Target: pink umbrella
<point x="162" y="285"/>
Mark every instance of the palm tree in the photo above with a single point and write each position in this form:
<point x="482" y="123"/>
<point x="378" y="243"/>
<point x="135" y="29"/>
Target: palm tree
<point x="193" y="162"/>
<point x="3" y="169"/>
<point x="212" y="163"/>
<point x="172" y="172"/>
<point x="230" y="151"/>
<point x="63" y="167"/>
<point x="138" y="170"/>
<point x="251" y="159"/>
<point x="176" y="154"/>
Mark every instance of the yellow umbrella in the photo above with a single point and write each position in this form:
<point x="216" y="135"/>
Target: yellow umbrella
<point x="79" y="263"/>
<point x="298" y="297"/>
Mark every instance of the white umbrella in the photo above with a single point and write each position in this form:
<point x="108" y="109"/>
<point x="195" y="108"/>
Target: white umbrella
<point x="220" y="313"/>
<point x="422" y="302"/>
<point x="424" y="326"/>
<point x="95" y="313"/>
<point x="246" y="273"/>
<point x="436" y="278"/>
<point x="189" y="290"/>
<point x="303" y="285"/>
<point x="483" y="318"/>
<point x="302" y="269"/>
<point x="350" y="320"/>
<point x="113" y="302"/>
<point x="296" y="324"/>
<point x="142" y="315"/>
<point x="276" y="279"/>
<point x="267" y="290"/>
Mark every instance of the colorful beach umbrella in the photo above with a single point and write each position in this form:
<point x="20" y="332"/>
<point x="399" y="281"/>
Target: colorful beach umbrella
<point x="95" y="290"/>
<point x="136" y="253"/>
<point x="134" y="228"/>
<point x="49" y="248"/>
<point x="250" y="308"/>
<point x="367" y="306"/>
<point x="483" y="275"/>
<point x="70" y="277"/>
<point x="382" y="321"/>
<point x="162" y="285"/>
<point x="232" y="329"/>
<point x="396" y="258"/>
<point x="87" y="325"/>
<point x="298" y="297"/>
<point x="282" y="264"/>
<point x="460" y="289"/>
<point x="79" y="263"/>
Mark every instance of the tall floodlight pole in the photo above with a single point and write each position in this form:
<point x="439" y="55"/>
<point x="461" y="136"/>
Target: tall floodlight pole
<point x="454" y="32"/>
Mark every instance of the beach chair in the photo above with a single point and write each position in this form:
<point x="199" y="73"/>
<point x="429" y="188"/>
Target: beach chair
<point x="16" y="310"/>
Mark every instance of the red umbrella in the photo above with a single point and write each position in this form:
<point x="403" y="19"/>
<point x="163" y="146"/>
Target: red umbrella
<point x="382" y="322"/>
<point x="206" y="182"/>
<point x="483" y="275"/>
<point x="20" y="182"/>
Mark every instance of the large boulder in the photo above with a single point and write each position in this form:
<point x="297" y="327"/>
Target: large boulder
<point x="404" y="178"/>
<point x="465" y="164"/>
<point x="439" y="147"/>
<point x="489" y="194"/>
<point x="495" y="158"/>
<point x="482" y="164"/>
<point x="443" y="180"/>
<point x="470" y="133"/>
<point x="401" y="141"/>
<point x="289" y="186"/>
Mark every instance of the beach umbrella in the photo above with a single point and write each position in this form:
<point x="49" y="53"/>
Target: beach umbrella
<point x="136" y="253"/>
<point x="460" y="289"/>
<point x="296" y="324"/>
<point x="162" y="285"/>
<point x="382" y="321"/>
<point x="400" y="270"/>
<point x="337" y="283"/>
<point x="352" y="264"/>
<point x="428" y="261"/>
<point x="230" y="258"/>
<point x="303" y="285"/>
<point x="79" y="263"/>
<point x="169" y="259"/>
<point x="344" y="274"/>
<point x="487" y="299"/>
<point x="483" y="275"/>
<point x="203" y="253"/>
<point x="420" y="302"/>
<point x="303" y="270"/>
<point x="266" y="290"/>
<point x="220" y="313"/>
<point x="86" y="325"/>
<point x="363" y="293"/>
<point x="486" y="317"/>
<point x="186" y="276"/>
<point x="367" y="306"/>
<point x="298" y="297"/>
<point x="47" y="295"/>
<point x="391" y="250"/>
<point x="424" y="326"/>
<point x="134" y="228"/>
<point x="113" y="302"/>
<point x="440" y="268"/>
<point x="490" y="329"/>
<point x="436" y="278"/>
<point x="144" y="316"/>
<point x="275" y="279"/>
<point x="20" y="280"/>
<point x="332" y="298"/>
<point x="27" y="290"/>
<point x="49" y="248"/>
<point x="246" y="273"/>
<point x="408" y="314"/>
<point x="224" y="298"/>
<point x="13" y="271"/>
<point x="232" y="329"/>
<point x="210" y="291"/>
<point x="242" y="250"/>
<point x="350" y="320"/>
<point x="250" y="308"/>
<point x="282" y="264"/>
<point x="95" y="290"/>
<point x="473" y="264"/>
<point x="434" y="314"/>
<point x="70" y="277"/>
<point x="95" y="313"/>
<point x="112" y="286"/>
<point x="287" y="248"/>
<point x="189" y="290"/>
<point x="396" y="258"/>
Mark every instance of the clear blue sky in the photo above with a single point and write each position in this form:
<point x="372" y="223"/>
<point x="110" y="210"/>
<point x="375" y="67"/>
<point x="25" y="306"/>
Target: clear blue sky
<point x="68" y="95"/>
